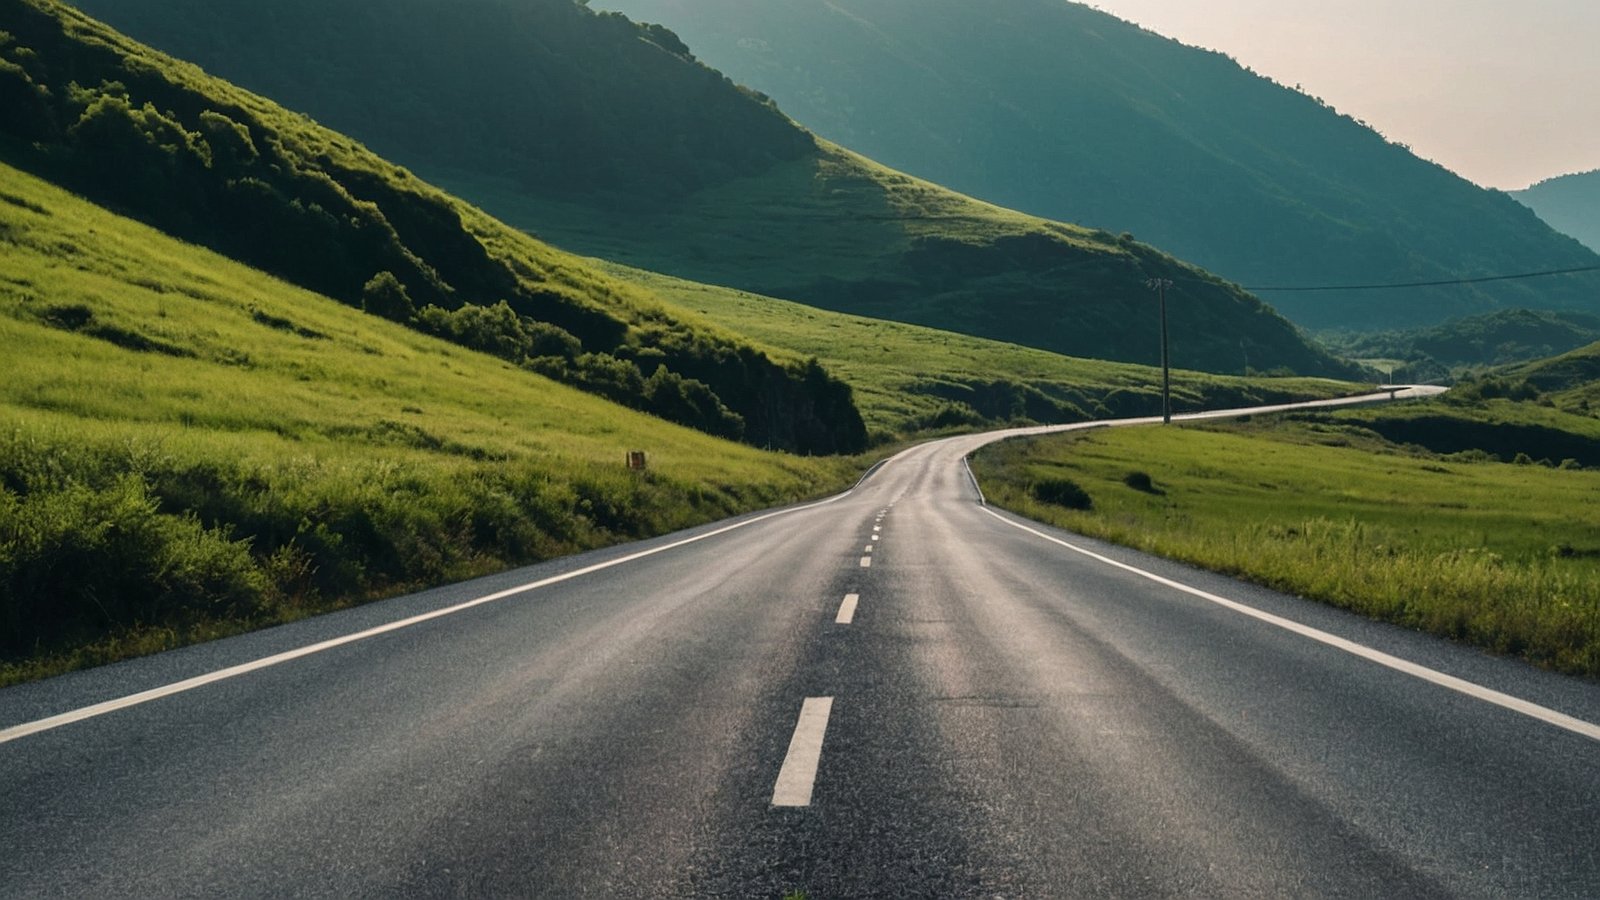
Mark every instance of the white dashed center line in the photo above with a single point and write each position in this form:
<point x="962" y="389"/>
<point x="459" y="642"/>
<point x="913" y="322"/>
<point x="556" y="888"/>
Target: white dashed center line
<point x="866" y="562"/>
<point x="799" y="772"/>
<point x="847" y="609"/>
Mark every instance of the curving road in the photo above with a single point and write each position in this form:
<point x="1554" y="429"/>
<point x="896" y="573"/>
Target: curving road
<point x="976" y="706"/>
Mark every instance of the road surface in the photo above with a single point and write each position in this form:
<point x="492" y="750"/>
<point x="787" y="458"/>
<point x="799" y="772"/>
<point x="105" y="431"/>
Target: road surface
<point x="898" y="692"/>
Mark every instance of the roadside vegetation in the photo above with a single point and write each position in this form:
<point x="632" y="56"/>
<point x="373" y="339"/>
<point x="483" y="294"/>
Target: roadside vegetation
<point x="1502" y="555"/>
<point x="190" y="448"/>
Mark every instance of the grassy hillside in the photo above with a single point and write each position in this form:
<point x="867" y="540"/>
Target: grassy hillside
<point x="1489" y="419"/>
<point x="1570" y="381"/>
<point x="908" y="379"/>
<point x="189" y="447"/>
<point x="1496" y="339"/>
<point x="1069" y="113"/>
<point x="199" y="158"/>
<point x="1570" y="204"/>
<point x="610" y="139"/>
<point x="1503" y="556"/>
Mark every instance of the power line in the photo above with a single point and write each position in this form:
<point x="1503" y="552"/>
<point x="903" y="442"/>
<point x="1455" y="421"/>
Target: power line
<point x="1417" y="284"/>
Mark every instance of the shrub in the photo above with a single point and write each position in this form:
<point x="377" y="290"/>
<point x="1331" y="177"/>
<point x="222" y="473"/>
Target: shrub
<point x="1063" y="492"/>
<point x="81" y="561"/>
<point x="1140" y="481"/>
<point x="385" y="296"/>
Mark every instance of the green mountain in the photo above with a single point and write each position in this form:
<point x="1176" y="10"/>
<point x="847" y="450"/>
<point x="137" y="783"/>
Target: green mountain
<point x="1066" y="112"/>
<point x="200" y="159"/>
<point x="610" y="139"/>
<point x="1570" y="203"/>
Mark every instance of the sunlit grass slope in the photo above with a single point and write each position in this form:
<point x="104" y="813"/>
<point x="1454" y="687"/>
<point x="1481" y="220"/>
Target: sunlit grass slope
<point x="1503" y="556"/>
<point x="1571" y="380"/>
<point x="189" y="447"/>
<point x="909" y="379"/>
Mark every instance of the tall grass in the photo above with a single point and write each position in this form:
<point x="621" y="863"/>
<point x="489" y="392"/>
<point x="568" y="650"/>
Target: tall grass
<point x="1504" y="557"/>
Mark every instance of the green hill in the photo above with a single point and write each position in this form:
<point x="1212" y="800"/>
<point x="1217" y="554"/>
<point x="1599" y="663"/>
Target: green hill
<point x="189" y="447"/>
<point x="201" y="159"/>
<point x="1546" y="411"/>
<point x="1495" y="339"/>
<point x="1570" y="204"/>
<point x="1066" y="112"/>
<point x="610" y="139"/>
<point x="1571" y="380"/>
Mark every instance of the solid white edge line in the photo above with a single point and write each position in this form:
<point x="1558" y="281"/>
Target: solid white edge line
<point x="1460" y="685"/>
<point x="99" y="709"/>
<point x="798" y="775"/>
<point x="967" y="463"/>
<point x="847" y="609"/>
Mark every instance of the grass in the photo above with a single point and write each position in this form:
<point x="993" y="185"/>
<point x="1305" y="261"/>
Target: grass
<point x="189" y="448"/>
<point x="911" y="380"/>
<point x="1506" y="557"/>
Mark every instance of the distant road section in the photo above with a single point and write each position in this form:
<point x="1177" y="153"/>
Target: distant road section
<point x="989" y="708"/>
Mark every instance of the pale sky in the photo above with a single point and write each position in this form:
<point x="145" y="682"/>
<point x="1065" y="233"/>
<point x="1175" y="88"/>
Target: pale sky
<point x="1503" y="92"/>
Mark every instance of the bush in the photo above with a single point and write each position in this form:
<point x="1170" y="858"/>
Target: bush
<point x="1140" y="481"/>
<point x="80" y="561"/>
<point x="1063" y="492"/>
<point x="385" y="296"/>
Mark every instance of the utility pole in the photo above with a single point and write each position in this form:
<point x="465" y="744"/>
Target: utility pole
<point x="1160" y="285"/>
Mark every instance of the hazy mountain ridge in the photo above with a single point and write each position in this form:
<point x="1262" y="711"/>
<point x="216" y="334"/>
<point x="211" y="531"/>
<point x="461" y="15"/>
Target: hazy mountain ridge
<point x="1070" y="113"/>
<point x="823" y="226"/>
<point x="1570" y="203"/>
<point x="203" y="160"/>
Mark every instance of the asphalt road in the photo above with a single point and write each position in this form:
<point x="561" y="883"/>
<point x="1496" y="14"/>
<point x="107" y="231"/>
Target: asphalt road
<point x="992" y="713"/>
